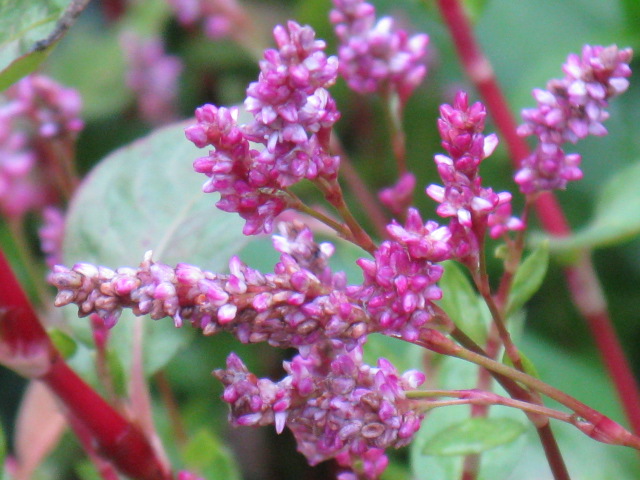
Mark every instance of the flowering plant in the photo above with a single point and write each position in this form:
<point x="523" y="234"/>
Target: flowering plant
<point x="392" y="327"/>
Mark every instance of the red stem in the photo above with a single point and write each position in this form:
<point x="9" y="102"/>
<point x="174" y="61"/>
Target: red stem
<point x="582" y="281"/>
<point x="117" y="439"/>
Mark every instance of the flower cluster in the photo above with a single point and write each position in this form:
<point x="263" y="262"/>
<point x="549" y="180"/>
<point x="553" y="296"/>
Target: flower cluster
<point x="400" y="282"/>
<point x="374" y="57"/>
<point x="34" y="111"/>
<point x="219" y="18"/>
<point x="463" y="198"/>
<point x="570" y="109"/>
<point x="299" y="304"/>
<point x="293" y="116"/>
<point x="153" y="76"/>
<point x="335" y="405"/>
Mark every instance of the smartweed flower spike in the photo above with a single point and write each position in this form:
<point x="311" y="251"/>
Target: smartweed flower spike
<point x="373" y="56"/>
<point x="293" y="116"/>
<point x="462" y="197"/>
<point x="33" y="111"/>
<point x="570" y="109"/>
<point x="153" y="76"/>
<point x="335" y="405"/>
<point x="299" y="304"/>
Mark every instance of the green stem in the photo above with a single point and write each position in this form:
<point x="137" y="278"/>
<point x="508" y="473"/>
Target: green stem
<point x="333" y="194"/>
<point x="479" y="397"/>
<point x="29" y="263"/>
<point x="589" y="421"/>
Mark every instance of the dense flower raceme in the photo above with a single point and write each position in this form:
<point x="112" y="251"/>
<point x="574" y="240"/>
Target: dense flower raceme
<point x="153" y="76"/>
<point x="571" y="109"/>
<point x="373" y="56"/>
<point x="33" y="111"/>
<point x="335" y="405"/>
<point x="299" y="304"/>
<point x="293" y="115"/>
<point x="462" y="197"/>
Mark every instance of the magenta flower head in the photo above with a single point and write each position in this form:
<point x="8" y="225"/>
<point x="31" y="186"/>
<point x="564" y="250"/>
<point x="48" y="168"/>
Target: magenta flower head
<point x="374" y="57"/>
<point x="293" y="117"/>
<point x="335" y="405"/>
<point x="571" y="109"/>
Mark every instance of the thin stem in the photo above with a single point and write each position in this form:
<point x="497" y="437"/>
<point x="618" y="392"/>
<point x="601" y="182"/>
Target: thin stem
<point x="367" y="200"/>
<point x="393" y="109"/>
<point x="339" y="228"/>
<point x="171" y="406"/>
<point x="333" y="194"/>
<point x="591" y="422"/>
<point x="479" y="397"/>
<point x="580" y="277"/>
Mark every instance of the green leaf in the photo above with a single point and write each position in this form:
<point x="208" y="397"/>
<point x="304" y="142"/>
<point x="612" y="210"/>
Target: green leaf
<point x="64" y="343"/>
<point x="24" y="25"/>
<point x="474" y="436"/>
<point x="528" y="278"/>
<point x="527" y="364"/>
<point x="461" y="302"/>
<point x="145" y="196"/>
<point x="616" y="218"/>
<point x="497" y="462"/>
<point x="206" y="454"/>
<point x="3" y="451"/>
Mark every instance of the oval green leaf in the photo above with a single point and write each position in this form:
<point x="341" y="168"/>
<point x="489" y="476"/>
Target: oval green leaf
<point x="146" y="196"/>
<point x="462" y="303"/>
<point x="474" y="436"/>
<point x="528" y="278"/>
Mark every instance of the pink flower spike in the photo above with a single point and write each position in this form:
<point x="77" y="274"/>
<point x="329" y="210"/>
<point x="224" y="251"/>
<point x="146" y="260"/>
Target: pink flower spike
<point x="570" y="109"/>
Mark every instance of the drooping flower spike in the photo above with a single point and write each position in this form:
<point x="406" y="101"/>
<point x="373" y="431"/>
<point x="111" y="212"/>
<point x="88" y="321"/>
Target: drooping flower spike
<point x="335" y="405"/>
<point x="300" y="303"/>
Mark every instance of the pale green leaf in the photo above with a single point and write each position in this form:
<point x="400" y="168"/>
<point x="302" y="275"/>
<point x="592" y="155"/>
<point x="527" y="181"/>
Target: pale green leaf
<point x="528" y="278"/>
<point x="616" y="217"/>
<point x="3" y="451"/>
<point x="205" y="453"/>
<point x="474" y="436"/>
